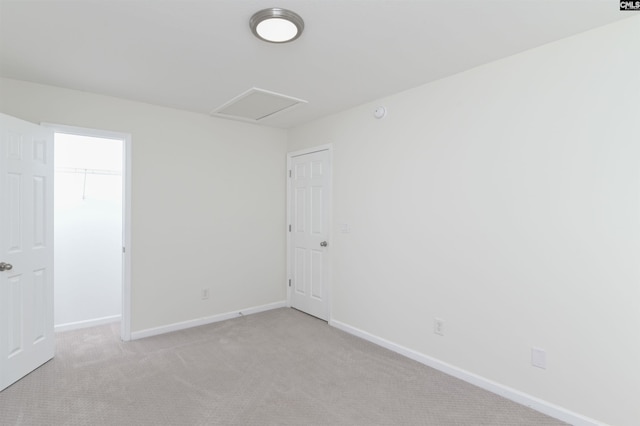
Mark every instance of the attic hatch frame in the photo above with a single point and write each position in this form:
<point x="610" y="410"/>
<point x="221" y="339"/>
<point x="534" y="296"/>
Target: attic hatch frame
<point x="254" y="105"/>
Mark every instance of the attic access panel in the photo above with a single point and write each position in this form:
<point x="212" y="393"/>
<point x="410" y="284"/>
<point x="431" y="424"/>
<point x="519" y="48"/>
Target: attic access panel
<point x="256" y="104"/>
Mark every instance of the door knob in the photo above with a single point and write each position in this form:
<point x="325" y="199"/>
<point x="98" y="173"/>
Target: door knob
<point x="5" y="266"/>
<point x="323" y="244"/>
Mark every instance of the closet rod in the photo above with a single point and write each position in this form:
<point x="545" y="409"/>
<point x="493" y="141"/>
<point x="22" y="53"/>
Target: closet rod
<point x="88" y="171"/>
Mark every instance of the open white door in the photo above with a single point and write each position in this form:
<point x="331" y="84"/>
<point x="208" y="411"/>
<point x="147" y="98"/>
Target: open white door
<point x="309" y="198"/>
<point x="26" y="248"/>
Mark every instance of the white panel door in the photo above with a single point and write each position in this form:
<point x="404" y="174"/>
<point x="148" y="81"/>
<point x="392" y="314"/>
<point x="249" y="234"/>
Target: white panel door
<point x="26" y="248"/>
<point x="309" y="202"/>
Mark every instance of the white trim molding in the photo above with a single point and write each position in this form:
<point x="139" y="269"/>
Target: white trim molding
<point x="504" y="391"/>
<point x="86" y="324"/>
<point x="205" y="320"/>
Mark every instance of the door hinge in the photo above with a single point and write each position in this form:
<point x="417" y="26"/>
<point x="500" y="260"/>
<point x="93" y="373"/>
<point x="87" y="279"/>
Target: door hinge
<point x="289" y="228"/>
<point x="123" y="250"/>
<point x="289" y="283"/>
<point x="289" y="173"/>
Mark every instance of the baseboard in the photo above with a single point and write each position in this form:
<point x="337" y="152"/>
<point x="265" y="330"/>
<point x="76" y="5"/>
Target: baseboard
<point x="205" y="320"/>
<point x="497" y="388"/>
<point x="85" y="324"/>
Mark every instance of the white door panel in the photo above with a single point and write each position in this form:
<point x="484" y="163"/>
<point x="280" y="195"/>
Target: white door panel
<point x="26" y="243"/>
<point x="310" y="192"/>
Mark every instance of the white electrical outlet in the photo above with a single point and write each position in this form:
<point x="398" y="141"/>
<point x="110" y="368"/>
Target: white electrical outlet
<point x="204" y="295"/>
<point x="539" y="358"/>
<point x="438" y="326"/>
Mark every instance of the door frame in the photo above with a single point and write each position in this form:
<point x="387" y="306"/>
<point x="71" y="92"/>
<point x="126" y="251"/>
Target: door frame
<point x="290" y="156"/>
<point x="125" y="320"/>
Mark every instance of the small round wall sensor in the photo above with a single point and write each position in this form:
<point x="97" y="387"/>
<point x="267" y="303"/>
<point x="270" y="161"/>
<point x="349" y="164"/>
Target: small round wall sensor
<point x="380" y="112"/>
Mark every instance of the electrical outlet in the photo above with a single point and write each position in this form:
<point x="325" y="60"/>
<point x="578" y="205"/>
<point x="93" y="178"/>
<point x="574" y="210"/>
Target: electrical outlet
<point x="438" y="326"/>
<point x="539" y="358"/>
<point x="204" y="295"/>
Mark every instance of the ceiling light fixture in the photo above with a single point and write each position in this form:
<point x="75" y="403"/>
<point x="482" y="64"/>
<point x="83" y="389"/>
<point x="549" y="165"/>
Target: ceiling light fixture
<point x="276" y="25"/>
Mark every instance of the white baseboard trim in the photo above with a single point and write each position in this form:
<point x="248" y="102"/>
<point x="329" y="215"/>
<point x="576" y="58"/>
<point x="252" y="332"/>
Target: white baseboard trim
<point x="205" y="320"/>
<point x="497" y="388"/>
<point x="85" y="324"/>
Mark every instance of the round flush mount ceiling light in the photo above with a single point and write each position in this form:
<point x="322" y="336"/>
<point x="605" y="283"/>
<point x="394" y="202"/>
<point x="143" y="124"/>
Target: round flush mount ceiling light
<point x="276" y="25"/>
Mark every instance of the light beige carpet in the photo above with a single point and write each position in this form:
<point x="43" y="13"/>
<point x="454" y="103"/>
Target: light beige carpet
<point x="280" y="367"/>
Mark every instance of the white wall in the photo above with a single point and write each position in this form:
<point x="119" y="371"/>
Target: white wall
<point x="88" y="230"/>
<point x="504" y="200"/>
<point x="208" y="205"/>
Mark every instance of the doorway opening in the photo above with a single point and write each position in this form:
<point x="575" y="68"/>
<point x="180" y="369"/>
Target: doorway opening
<point x="91" y="232"/>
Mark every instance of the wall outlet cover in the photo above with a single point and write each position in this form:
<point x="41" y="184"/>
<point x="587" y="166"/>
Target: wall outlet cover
<point x="438" y="326"/>
<point x="345" y="228"/>
<point x="539" y="358"/>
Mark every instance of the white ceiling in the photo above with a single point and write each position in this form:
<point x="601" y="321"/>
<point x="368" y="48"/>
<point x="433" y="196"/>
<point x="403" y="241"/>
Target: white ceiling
<point x="198" y="54"/>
